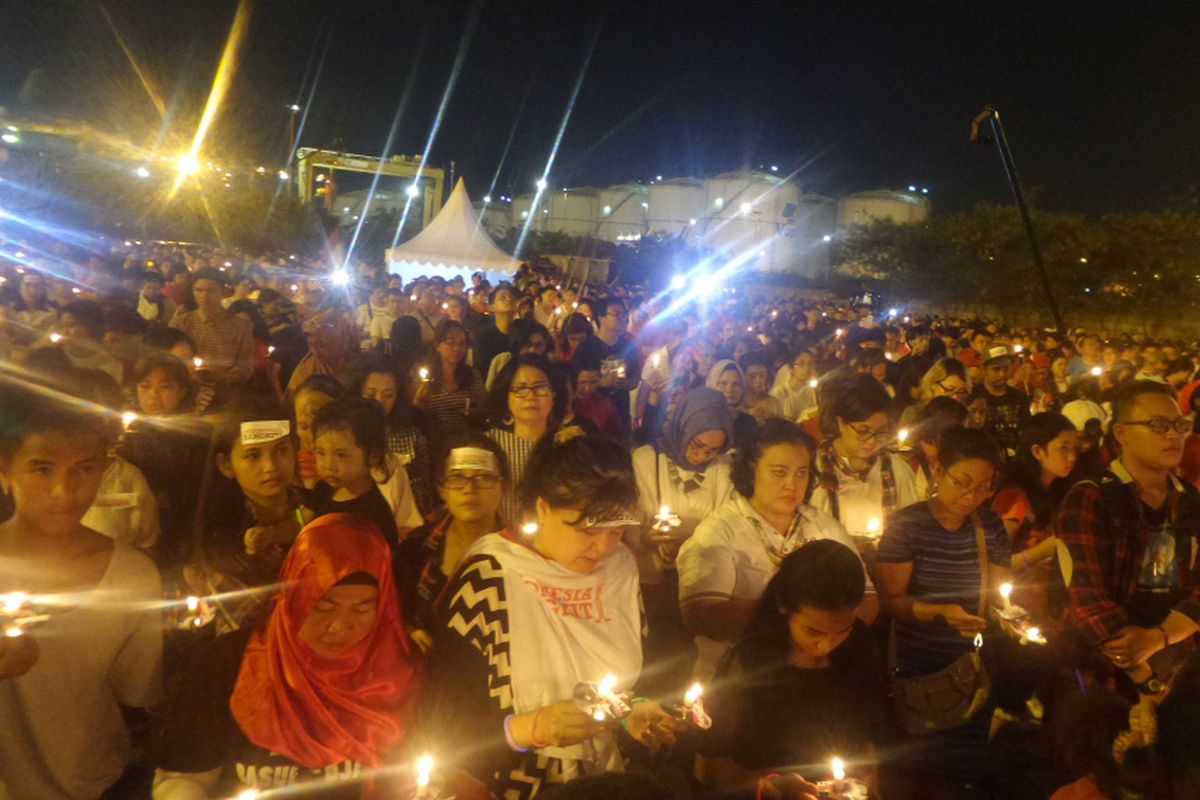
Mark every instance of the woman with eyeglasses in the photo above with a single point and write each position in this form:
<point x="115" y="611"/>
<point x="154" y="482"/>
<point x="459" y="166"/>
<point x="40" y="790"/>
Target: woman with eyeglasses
<point x="929" y="580"/>
<point x="861" y="482"/>
<point x="471" y="476"/>
<point x="527" y="401"/>
<point x="454" y="393"/>
<point x="946" y="378"/>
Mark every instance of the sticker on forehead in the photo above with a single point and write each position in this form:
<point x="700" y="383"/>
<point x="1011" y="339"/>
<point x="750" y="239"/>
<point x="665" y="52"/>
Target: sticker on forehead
<point x="620" y="519"/>
<point x="266" y="430"/>
<point x="476" y="458"/>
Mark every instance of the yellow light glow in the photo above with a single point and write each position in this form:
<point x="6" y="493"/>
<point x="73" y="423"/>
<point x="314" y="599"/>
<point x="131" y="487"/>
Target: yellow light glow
<point x="187" y="164"/>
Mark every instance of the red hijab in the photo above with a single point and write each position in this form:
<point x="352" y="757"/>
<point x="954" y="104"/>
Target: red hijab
<point x="322" y="711"/>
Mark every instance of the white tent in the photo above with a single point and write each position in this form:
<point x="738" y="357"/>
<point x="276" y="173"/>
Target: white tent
<point x="454" y="243"/>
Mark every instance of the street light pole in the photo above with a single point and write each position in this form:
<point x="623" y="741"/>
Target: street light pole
<point x="992" y="117"/>
<point x="294" y="110"/>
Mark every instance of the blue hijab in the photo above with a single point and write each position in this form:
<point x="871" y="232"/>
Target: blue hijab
<point x="697" y="411"/>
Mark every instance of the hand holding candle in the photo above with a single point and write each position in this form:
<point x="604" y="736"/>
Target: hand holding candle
<point x="1006" y="595"/>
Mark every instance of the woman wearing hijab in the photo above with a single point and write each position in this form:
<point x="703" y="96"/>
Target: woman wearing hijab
<point x="728" y="379"/>
<point x="530" y="616"/>
<point x="317" y="694"/>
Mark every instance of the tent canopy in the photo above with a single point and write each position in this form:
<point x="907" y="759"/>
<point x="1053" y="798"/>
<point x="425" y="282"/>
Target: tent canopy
<point x="454" y="243"/>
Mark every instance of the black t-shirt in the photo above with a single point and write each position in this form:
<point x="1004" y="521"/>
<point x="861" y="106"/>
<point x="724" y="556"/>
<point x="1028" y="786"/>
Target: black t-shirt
<point x="372" y="505"/>
<point x="408" y="566"/>
<point x="1006" y="413"/>
<point x="782" y="717"/>
<point x="621" y="358"/>
<point x="488" y="341"/>
<point x="200" y="734"/>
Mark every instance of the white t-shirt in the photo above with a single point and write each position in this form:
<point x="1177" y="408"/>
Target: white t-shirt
<point x="381" y="326"/>
<point x="691" y="507"/>
<point x="124" y="508"/>
<point x="859" y="501"/>
<point x="62" y="735"/>
<point x="728" y="558"/>
<point x="398" y="492"/>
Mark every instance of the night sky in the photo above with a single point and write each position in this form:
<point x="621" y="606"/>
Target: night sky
<point x="1100" y="101"/>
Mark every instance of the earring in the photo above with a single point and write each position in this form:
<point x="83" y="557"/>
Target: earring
<point x="933" y="489"/>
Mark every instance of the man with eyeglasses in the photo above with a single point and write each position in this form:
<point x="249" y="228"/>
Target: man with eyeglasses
<point x="1007" y="407"/>
<point x="1134" y="587"/>
<point x="616" y="352"/>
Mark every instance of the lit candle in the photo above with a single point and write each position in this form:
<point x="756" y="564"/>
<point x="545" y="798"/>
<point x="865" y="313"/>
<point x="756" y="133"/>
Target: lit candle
<point x="1006" y="594"/>
<point x="1034" y="634"/>
<point x="197" y="362"/>
<point x="445" y="306"/>
<point x="813" y="383"/>
<point x="529" y="528"/>
<point x="655" y="360"/>
<point x="13" y="631"/>
<point x="692" y="695"/>
<point x="56" y="337"/>
<point x="248" y="794"/>
<point x="295" y="288"/>
<point x="902" y="435"/>
<point x="270" y="349"/>
<point x="838" y="768"/>
<point x="978" y="641"/>
<point x="424" y="772"/>
<point x="1097" y="371"/>
<point x="424" y="373"/>
<point x="839" y="332"/>
<point x="873" y="527"/>
<point x="1018" y="348"/>
<point x="128" y="418"/>
<point x="13" y="602"/>
<point x="193" y="603"/>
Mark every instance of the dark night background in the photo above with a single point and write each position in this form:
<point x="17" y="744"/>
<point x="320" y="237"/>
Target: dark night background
<point x="1100" y="101"/>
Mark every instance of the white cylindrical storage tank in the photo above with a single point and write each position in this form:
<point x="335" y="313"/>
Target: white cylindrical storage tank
<point x="747" y="216"/>
<point x="899" y="207"/>
<point x="572" y="211"/>
<point x="622" y="211"/>
<point x="496" y="218"/>
<point x="676" y="207"/>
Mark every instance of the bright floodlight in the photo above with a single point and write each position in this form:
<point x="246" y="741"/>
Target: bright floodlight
<point x="340" y="277"/>
<point x="678" y="282"/>
<point x="293" y="108"/>
<point x="746" y="208"/>
<point x="283" y="175"/>
<point x="774" y="168"/>
<point x="827" y="238"/>
<point x="912" y="188"/>
<point x="607" y="210"/>
<point x="142" y="173"/>
<point x="541" y="184"/>
<point x="487" y="198"/>
<point x="411" y="190"/>
<point x="188" y="164"/>
<point x="10" y="138"/>
<point x="719" y="202"/>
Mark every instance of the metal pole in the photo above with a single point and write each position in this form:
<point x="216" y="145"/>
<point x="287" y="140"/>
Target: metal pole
<point x="992" y="116"/>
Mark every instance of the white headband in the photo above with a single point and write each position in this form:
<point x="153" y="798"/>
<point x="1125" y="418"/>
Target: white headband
<point x="267" y="430"/>
<point x="473" y="458"/>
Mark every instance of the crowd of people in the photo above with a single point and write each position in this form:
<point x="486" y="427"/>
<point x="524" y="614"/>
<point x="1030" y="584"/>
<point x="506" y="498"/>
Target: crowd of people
<point x="269" y="527"/>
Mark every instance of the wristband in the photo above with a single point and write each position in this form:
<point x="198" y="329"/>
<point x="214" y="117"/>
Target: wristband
<point x="764" y="781"/>
<point x="533" y="740"/>
<point x="508" y="737"/>
<point x="634" y="701"/>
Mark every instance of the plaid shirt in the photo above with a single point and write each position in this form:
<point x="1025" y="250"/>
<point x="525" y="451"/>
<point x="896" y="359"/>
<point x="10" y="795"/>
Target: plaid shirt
<point x="1106" y="562"/>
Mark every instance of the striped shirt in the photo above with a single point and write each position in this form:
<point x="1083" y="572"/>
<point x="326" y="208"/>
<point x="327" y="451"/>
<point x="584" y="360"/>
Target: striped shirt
<point x="225" y="342"/>
<point x="945" y="570"/>
<point x="452" y="410"/>
<point x="517" y="451"/>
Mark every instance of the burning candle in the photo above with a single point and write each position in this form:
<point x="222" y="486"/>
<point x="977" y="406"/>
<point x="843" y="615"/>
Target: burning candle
<point x="692" y="695"/>
<point x="193" y="603"/>
<point x="424" y="772"/>
<point x="1018" y="348"/>
<point x="837" y="768"/>
<point x="1006" y="595"/>
<point x="839" y="332"/>
<point x="902" y="435"/>
<point x="13" y="631"/>
<point x="13" y="602"/>
<point x="655" y="360"/>
<point x="529" y="528"/>
<point x="873" y="527"/>
<point x="424" y="373"/>
<point x="248" y="794"/>
<point x="128" y="418"/>
<point x="295" y="288"/>
<point x="978" y="641"/>
<point x="1097" y="371"/>
<point x="813" y="383"/>
<point x="56" y="337"/>
<point x="197" y="362"/>
<point x="1034" y="635"/>
<point x="445" y="306"/>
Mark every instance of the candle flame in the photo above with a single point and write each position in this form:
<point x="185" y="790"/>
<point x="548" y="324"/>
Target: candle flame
<point x="11" y="603"/>
<point x="197" y="362"/>
<point x="248" y="794"/>
<point x="599" y="715"/>
<point x="56" y="337"/>
<point x="128" y="418"/>
<point x="13" y="631"/>
<point x="1034" y="634"/>
<point x="813" y="383"/>
<point x="978" y="640"/>
<point x="424" y="373"/>
<point x="193" y="603"/>
<point x="1006" y="590"/>
<point x="607" y="685"/>
<point x="424" y="769"/>
<point x="665" y="511"/>
<point x="655" y="360"/>
<point x="529" y="528"/>
<point x="902" y="435"/>
<point x="873" y="525"/>
<point x="693" y="694"/>
<point x="838" y="768"/>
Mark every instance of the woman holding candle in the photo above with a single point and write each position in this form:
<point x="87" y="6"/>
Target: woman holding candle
<point x="804" y="682"/>
<point x="726" y="564"/>
<point x="454" y="393"/>
<point x="946" y="378"/>
<point x="861" y="481"/>
<point x="531" y="616"/>
<point x="62" y="684"/>
<point x="929" y="578"/>
<point x="318" y="693"/>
